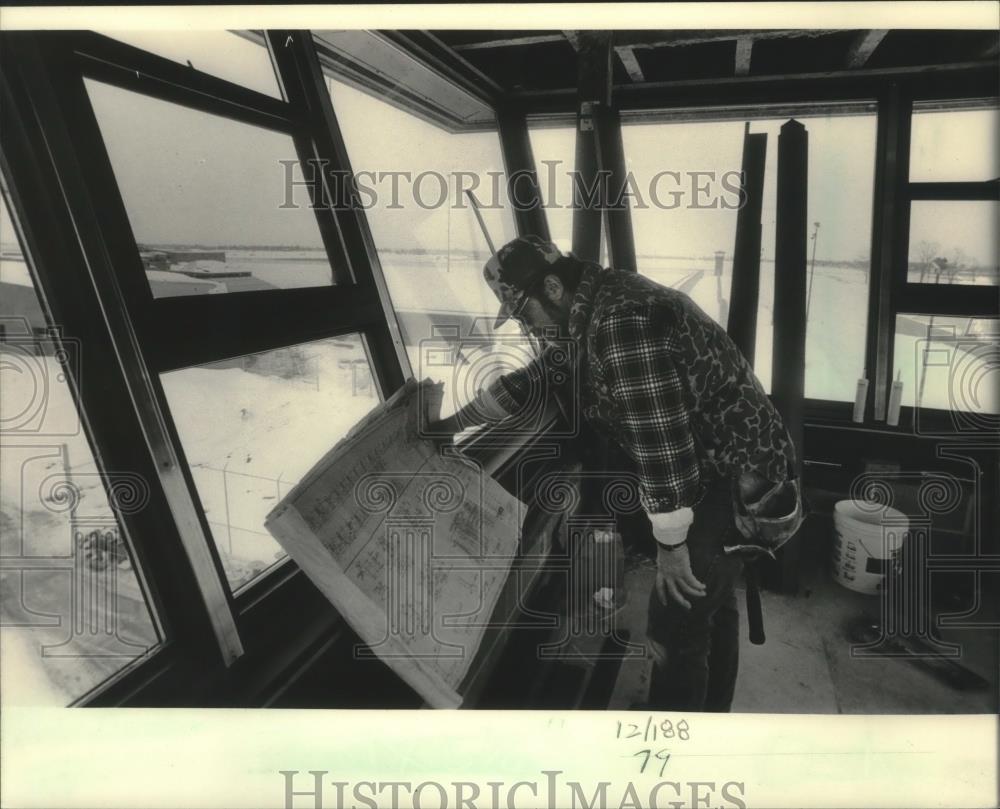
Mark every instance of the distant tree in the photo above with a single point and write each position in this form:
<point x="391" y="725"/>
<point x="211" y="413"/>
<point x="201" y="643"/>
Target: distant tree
<point x="959" y="261"/>
<point x="925" y="253"/>
<point x="940" y="268"/>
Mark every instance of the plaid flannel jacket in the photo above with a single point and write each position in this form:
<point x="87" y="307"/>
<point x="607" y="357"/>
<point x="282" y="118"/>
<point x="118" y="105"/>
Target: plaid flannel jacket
<point x="664" y="380"/>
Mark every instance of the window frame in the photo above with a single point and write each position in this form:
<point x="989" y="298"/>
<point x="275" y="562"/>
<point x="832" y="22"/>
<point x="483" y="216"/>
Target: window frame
<point x="222" y="645"/>
<point x="897" y="294"/>
<point x="214" y="327"/>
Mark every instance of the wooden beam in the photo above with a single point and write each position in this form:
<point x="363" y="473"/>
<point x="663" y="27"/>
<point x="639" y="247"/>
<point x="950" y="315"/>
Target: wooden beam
<point x="863" y="47"/>
<point x="631" y="64"/>
<point x="744" y="48"/>
<point x="808" y="86"/>
<point x="510" y="42"/>
<point x="657" y="39"/>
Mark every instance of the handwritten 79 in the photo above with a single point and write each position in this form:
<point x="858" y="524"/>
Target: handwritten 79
<point x="652" y="731"/>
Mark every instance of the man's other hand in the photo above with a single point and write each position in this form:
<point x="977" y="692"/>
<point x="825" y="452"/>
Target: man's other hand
<point x="674" y="577"/>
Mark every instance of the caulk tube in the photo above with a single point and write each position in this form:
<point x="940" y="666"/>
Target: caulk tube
<point x="895" y="400"/>
<point x="860" y="398"/>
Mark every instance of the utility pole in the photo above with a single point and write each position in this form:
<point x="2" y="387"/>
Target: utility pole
<point x="812" y="269"/>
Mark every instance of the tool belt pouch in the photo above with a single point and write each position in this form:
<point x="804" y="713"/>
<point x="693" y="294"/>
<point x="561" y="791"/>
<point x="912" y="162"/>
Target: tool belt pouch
<point x="767" y="514"/>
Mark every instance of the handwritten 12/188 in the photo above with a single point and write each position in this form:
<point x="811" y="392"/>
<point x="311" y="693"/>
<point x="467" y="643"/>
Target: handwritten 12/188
<point x="651" y="731"/>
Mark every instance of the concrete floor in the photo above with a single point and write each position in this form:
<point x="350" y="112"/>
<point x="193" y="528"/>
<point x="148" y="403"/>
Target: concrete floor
<point x="806" y="665"/>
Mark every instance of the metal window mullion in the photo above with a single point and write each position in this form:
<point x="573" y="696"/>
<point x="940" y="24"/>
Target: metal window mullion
<point x="49" y="70"/>
<point x="890" y="215"/>
<point x="303" y="83"/>
<point x="618" y="218"/>
<point x="949" y="300"/>
<point x="323" y="198"/>
<point x="216" y="326"/>
<point x="519" y="162"/>
<point x="954" y="191"/>
<point x="131" y="68"/>
<point x="593" y="95"/>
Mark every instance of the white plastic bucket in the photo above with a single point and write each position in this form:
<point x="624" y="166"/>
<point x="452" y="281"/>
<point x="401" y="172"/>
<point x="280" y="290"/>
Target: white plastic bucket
<point x="867" y="538"/>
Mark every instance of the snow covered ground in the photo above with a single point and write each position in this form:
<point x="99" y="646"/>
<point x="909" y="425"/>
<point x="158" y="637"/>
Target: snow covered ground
<point x="55" y="645"/>
<point x="249" y="433"/>
<point x="281" y="269"/>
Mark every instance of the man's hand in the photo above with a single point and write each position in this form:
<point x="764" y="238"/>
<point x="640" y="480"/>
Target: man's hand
<point x="424" y="399"/>
<point x="675" y="578"/>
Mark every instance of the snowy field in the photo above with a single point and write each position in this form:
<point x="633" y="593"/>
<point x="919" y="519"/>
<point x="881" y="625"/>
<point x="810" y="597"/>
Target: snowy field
<point x="65" y="628"/>
<point x="250" y="433"/>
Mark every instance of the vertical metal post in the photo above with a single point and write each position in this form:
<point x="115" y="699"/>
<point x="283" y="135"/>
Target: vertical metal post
<point x="745" y="289"/>
<point x="790" y="281"/>
<point x="889" y="222"/>
<point x="294" y="55"/>
<point x="590" y="188"/>
<point x="225" y="496"/>
<point x="522" y="176"/>
<point x="618" y="214"/>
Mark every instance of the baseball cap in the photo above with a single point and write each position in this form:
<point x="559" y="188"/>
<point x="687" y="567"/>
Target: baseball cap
<point x="516" y="267"/>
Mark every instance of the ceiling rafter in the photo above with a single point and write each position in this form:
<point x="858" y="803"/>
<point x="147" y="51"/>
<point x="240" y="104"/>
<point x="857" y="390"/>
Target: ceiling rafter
<point x="744" y="50"/>
<point x="864" y="46"/>
<point x="656" y="39"/>
<point x="631" y="64"/>
<point x="509" y="42"/>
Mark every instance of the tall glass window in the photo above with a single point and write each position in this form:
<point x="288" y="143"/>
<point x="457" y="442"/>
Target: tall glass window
<point x="683" y="218"/>
<point x="226" y="54"/>
<point x="216" y="206"/>
<point x="73" y="611"/>
<point x="840" y="197"/>
<point x="954" y="145"/>
<point x="554" y="150"/>
<point x="954" y="242"/>
<point x="252" y="426"/>
<point x="948" y="363"/>
<point x="414" y="175"/>
<point x="685" y="231"/>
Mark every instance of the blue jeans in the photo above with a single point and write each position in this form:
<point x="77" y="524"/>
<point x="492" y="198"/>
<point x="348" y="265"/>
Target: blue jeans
<point x="696" y="652"/>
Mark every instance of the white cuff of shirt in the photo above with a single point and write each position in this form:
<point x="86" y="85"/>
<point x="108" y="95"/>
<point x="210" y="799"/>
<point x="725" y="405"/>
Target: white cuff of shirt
<point x="671" y="527"/>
